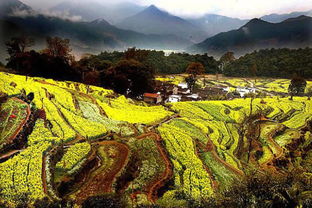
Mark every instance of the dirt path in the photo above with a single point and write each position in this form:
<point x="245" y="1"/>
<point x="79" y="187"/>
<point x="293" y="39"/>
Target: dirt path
<point x="167" y="120"/>
<point x="102" y="179"/>
<point x="9" y="154"/>
<point x="211" y="147"/>
<point x="279" y="150"/>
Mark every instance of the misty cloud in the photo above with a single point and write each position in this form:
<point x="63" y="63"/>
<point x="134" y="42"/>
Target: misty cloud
<point x="246" y="30"/>
<point x="63" y="15"/>
<point x="232" y="8"/>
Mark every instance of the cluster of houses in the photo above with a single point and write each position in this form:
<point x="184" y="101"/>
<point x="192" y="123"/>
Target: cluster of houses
<point x="170" y="93"/>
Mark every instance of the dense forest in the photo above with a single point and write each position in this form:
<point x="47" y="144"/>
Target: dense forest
<point x="282" y="63"/>
<point x="174" y="63"/>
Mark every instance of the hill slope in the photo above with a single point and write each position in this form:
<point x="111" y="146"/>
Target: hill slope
<point x="152" y="20"/>
<point x="8" y="7"/>
<point x="259" y="34"/>
<point x="85" y="37"/>
<point x="80" y="141"/>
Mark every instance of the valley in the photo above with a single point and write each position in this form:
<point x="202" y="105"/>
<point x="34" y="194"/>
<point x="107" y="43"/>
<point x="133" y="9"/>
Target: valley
<point x="85" y="141"/>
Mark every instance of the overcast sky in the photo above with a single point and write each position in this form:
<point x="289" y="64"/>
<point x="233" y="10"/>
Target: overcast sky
<point x="233" y="8"/>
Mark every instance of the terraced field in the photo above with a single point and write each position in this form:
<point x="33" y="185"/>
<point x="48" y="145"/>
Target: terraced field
<point x="74" y="141"/>
<point x="263" y="84"/>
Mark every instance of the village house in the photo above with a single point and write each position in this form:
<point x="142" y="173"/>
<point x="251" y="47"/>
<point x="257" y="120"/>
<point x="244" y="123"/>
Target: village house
<point x="152" y="98"/>
<point x="183" y="89"/>
<point x="174" y="98"/>
<point x="193" y="96"/>
<point x="224" y="88"/>
<point x="245" y="90"/>
<point x="183" y="85"/>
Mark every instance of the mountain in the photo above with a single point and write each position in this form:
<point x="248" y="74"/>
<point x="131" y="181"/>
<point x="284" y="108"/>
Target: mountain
<point x="86" y="37"/>
<point x="275" y="18"/>
<point x="8" y="7"/>
<point x="214" y="24"/>
<point x="131" y="38"/>
<point x="259" y="34"/>
<point x="89" y="11"/>
<point x="152" y="20"/>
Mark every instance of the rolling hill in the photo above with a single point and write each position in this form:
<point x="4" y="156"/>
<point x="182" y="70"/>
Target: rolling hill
<point x="259" y="34"/>
<point x="152" y="20"/>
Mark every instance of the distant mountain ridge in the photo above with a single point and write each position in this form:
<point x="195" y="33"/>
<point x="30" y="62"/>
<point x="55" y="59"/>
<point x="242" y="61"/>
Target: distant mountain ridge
<point x="259" y="34"/>
<point x="153" y="20"/>
<point x="86" y="37"/>
<point x="150" y="28"/>
<point x="8" y="7"/>
<point x="276" y="18"/>
<point x="90" y="11"/>
<point x="214" y="24"/>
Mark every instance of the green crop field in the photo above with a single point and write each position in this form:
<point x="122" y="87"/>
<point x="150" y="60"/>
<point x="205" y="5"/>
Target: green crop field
<point x="75" y="141"/>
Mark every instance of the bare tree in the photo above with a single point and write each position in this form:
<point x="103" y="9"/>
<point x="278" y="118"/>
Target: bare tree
<point x="58" y="47"/>
<point x="18" y="45"/>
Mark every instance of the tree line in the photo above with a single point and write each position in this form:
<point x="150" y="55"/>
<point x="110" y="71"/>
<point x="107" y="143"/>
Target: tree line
<point x="132" y="72"/>
<point x="174" y="63"/>
<point x="279" y="63"/>
<point x="126" y="76"/>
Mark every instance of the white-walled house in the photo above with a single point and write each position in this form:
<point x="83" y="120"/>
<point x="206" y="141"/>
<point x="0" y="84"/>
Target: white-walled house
<point x="193" y="96"/>
<point x="174" y="98"/>
<point x="183" y="85"/>
<point x="245" y="90"/>
<point x="227" y="89"/>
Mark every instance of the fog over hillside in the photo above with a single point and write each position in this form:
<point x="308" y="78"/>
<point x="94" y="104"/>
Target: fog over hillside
<point x="244" y="9"/>
<point x="100" y="25"/>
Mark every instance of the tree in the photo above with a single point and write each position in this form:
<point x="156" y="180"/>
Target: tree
<point x="58" y="48"/>
<point x="33" y="63"/>
<point x="253" y="72"/>
<point x="129" y="77"/>
<point x="309" y="93"/>
<point x="18" y="45"/>
<point x="16" y="48"/>
<point x="175" y="63"/>
<point x="227" y="58"/>
<point x="195" y="68"/>
<point x="259" y="190"/>
<point x="280" y="63"/>
<point x="297" y="86"/>
<point x="190" y="80"/>
<point x="136" y="54"/>
<point x="94" y="63"/>
<point x="91" y="78"/>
